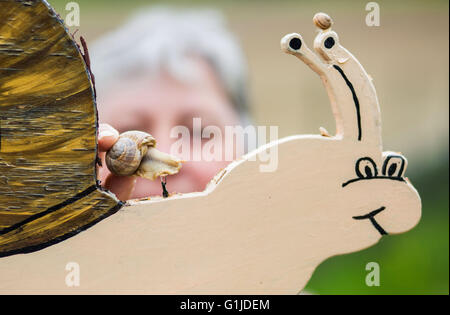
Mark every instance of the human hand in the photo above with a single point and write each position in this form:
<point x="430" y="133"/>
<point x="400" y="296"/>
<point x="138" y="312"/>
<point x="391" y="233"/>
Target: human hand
<point x="121" y="186"/>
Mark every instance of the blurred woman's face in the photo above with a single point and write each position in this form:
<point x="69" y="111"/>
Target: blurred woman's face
<point x="156" y="105"/>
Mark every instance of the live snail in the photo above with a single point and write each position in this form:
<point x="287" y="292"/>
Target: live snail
<point x="134" y="154"/>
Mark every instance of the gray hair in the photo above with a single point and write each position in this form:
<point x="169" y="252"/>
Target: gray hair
<point x="163" y="38"/>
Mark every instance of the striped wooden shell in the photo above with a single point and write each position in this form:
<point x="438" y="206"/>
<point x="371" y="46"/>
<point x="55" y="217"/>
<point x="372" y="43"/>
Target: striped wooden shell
<point x="48" y="128"/>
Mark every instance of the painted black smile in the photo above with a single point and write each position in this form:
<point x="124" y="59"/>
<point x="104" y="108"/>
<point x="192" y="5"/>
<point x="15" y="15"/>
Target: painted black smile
<point x="371" y="216"/>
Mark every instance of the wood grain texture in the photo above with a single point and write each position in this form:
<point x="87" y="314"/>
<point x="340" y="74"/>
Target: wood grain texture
<point x="48" y="131"/>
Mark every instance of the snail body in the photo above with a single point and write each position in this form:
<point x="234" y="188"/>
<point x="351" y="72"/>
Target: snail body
<point x="156" y="163"/>
<point x="134" y="154"/>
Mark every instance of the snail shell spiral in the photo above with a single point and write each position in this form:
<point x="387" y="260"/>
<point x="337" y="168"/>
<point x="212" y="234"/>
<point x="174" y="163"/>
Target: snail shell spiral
<point x="125" y="156"/>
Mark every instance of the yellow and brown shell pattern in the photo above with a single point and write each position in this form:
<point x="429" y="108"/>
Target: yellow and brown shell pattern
<point x="48" y="129"/>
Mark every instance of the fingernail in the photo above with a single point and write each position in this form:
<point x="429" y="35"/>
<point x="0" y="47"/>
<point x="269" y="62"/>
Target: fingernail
<point x="106" y="133"/>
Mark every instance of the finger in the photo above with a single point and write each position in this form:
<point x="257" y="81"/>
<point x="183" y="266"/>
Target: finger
<point x="121" y="186"/>
<point x="107" y="136"/>
<point x="102" y="169"/>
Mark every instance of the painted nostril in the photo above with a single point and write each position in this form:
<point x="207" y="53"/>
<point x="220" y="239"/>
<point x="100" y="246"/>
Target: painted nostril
<point x="329" y="42"/>
<point x="295" y="43"/>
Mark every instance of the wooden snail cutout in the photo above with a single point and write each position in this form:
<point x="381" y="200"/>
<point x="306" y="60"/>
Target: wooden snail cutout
<point x="249" y="232"/>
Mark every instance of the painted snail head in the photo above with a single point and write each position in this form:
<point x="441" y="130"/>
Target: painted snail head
<point x="134" y="154"/>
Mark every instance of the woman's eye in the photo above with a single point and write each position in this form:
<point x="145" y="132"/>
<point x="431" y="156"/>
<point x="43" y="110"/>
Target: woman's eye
<point x="366" y="168"/>
<point x="394" y="166"/>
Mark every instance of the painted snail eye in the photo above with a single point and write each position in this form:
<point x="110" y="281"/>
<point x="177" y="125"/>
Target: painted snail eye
<point x="295" y="43"/>
<point x="394" y="166"/>
<point x="366" y="168"/>
<point x="329" y="42"/>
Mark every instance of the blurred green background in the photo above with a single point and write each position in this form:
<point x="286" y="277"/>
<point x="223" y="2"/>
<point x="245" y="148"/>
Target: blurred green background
<point x="407" y="55"/>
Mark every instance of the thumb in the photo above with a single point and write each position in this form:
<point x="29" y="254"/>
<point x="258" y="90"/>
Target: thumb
<point x="121" y="186"/>
<point x="107" y="136"/>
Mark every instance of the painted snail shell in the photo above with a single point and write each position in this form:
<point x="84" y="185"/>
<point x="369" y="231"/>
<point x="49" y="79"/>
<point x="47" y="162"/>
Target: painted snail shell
<point x="134" y="153"/>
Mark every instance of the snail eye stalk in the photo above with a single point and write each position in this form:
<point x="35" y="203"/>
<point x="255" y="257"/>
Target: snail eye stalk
<point x="165" y="193"/>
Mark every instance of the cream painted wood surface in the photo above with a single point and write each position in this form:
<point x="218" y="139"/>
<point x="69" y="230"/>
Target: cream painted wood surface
<point x="249" y="232"/>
